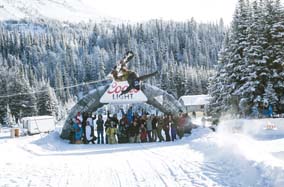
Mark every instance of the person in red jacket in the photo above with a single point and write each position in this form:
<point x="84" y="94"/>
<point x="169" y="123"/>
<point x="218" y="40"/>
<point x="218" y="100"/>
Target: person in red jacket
<point x="181" y="124"/>
<point x="166" y="127"/>
<point x="143" y="133"/>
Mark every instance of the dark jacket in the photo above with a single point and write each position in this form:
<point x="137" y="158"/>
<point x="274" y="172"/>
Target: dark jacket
<point x="166" y="126"/>
<point x="100" y="125"/>
<point x="174" y="122"/>
<point x="133" y="131"/>
<point x="154" y="123"/>
<point x="114" y="120"/>
<point x="107" y="124"/>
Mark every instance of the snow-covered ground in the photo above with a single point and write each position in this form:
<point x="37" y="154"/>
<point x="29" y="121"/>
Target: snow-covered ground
<point x="202" y="159"/>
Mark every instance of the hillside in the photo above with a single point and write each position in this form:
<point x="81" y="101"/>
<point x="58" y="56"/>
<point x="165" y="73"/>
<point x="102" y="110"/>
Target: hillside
<point x="71" y="10"/>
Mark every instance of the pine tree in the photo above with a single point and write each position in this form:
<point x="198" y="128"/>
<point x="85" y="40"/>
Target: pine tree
<point x="251" y="69"/>
<point x="59" y="84"/>
<point x="103" y="58"/>
<point x="25" y="102"/>
<point x="275" y="19"/>
<point x="218" y="82"/>
<point x="8" y="117"/>
<point x="235" y="65"/>
<point x="47" y="103"/>
<point x="4" y="90"/>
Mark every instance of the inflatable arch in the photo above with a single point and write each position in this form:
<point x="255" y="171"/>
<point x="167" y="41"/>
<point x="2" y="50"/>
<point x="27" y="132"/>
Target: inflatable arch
<point x="158" y="98"/>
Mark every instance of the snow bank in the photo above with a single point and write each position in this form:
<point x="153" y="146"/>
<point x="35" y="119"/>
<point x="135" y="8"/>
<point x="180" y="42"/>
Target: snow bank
<point x="259" y="128"/>
<point x="259" y="141"/>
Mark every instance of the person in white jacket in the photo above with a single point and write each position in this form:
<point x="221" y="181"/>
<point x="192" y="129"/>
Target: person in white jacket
<point x="89" y="134"/>
<point x="149" y="127"/>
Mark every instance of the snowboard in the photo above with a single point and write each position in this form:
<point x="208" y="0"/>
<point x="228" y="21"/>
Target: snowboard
<point x="123" y="62"/>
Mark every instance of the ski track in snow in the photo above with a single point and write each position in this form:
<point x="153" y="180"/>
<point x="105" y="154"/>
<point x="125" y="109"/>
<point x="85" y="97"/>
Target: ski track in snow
<point x="198" y="160"/>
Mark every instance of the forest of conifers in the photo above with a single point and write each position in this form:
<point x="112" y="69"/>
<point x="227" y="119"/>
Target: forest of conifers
<point x="46" y="54"/>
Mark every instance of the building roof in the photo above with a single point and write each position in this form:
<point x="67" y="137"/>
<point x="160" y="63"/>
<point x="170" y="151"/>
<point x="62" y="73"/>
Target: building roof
<point x="193" y="100"/>
<point x="38" y="117"/>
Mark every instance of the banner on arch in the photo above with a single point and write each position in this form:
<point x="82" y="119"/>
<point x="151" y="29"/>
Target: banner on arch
<point x="112" y="95"/>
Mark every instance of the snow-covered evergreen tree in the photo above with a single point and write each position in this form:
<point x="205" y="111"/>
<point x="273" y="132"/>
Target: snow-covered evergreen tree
<point x="7" y="117"/>
<point x="24" y="102"/>
<point x="47" y="103"/>
<point x="251" y="62"/>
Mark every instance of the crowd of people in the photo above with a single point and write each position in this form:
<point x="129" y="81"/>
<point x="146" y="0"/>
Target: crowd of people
<point x="130" y="128"/>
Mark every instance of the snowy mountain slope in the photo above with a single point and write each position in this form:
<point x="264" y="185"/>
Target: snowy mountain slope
<point x="202" y="159"/>
<point x="70" y="10"/>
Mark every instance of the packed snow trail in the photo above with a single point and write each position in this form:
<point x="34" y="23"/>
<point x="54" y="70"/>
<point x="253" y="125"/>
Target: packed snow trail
<point x="202" y="159"/>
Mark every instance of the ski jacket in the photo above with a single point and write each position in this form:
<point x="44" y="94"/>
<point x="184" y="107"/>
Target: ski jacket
<point x="160" y="124"/>
<point x="129" y="116"/>
<point x="181" y="121"/>
<point x="123" y="121"/>
<point x="111" y="131"/>
<point x="267" y="112"/>
<point x="90" y="121"/>
<point x="78" y="131"/>
<point x="154" y="123"/>
<point x="143" y="134"/>
<point x="100" y="125"/>
<point x="107" y="124"/>
<point x="133" y="131"/>
<point x="122" y="131"/>
<point x="149" y="124"/>
<point x="166" y="125"/>
<point x="79" y="117"/>
<point x="114" y="120"/>
<point x="174" y="122"/>
<point x="88" y="130"/>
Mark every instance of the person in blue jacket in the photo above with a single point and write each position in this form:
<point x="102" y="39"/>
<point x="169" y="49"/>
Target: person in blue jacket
<point x="129" y="115"/>
<point x="77" y="130"/>
<point x="267" y="110"/>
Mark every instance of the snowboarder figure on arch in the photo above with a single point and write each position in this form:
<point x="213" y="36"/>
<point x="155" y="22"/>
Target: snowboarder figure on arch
<point x="121" y="73"/>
